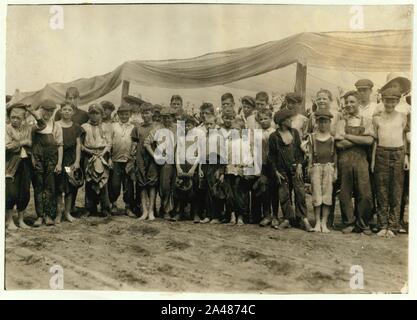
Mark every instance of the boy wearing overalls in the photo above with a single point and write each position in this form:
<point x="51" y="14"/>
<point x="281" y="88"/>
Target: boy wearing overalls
<point x="354" y="134"/>
<point x="47" y="153"/>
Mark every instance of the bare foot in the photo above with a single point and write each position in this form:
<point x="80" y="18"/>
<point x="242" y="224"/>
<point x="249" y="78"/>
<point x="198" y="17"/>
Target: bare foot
<point x="23" y="225"/>
<point x="151" y="216"/>
<point x="390" y="234"/>
<point x="240" y="221"/>
<point x="382" y="233"/>
<point x="58" y="219"/>
<point x="69" y="217"/>
<point x="324" y="228"/>
<point x="11" y="225"/>
<point x="317" y="228"/>
<point x="143" y="217"/>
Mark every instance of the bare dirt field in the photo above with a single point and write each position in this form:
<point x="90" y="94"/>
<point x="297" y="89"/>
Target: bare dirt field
<point x="121" y="253"/>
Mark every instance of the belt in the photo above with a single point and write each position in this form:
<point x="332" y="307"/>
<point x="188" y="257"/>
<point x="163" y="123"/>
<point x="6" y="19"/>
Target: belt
<point x="390" y="148"/>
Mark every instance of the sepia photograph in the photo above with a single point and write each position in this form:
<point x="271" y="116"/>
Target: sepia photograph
<point x="207" y="148"/>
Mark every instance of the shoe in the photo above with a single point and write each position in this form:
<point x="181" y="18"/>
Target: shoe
<point x="274" y="223"/>
<point x="215" y="221"/>
<point x="402" y="231"/>
<point x="265" y="222"/>
<point x="205" y="220"/>
<point x="196" y="219"/>
<point x="348" y="229"/>
<point x="284" y="225"/>
<point x="49" y="221"/>
<point x="367" y="232"/>
<point x="38" y="222"/>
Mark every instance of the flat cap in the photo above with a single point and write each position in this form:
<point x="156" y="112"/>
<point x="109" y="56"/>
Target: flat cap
<point x="293" y="97"/>
<point x="17" y="105"/>
<point x="391" y="93"/>
<point x="124" y="107"/>
<point x="282" y="115"/>
<point x="94" y="108"/>
<point x="364" y="83"/>
<point x="323" y="113"/>
<point x="250" y="100"/>
<point x="47" y="104"/>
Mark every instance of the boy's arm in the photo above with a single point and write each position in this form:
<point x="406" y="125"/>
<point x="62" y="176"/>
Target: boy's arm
<point x="58" y="167"/>
<point x="361" y="140"/>
<point x="148" y="143"/>
<point x="77" y="153"/>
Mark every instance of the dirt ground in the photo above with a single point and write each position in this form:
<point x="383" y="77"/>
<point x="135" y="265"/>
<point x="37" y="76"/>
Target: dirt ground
<point x="121" y="253"/>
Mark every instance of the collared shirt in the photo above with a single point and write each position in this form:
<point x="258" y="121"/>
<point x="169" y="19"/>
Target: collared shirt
<point x="121" y="141"/>
<point x="369" y="110"/>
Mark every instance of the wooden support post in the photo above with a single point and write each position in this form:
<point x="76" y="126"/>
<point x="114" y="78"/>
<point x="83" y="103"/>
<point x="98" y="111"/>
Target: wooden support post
<point x="125" y="89"/>
<point x="301" y="84"/>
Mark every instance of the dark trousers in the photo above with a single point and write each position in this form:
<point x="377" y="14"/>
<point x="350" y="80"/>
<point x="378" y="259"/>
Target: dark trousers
<point x="292" y="182"/>
<point x="18" y="188"/>
<point x="404" y="198"/>
<point x="118" y="179"/>
<point x="239" y="202"/>
<point x="261" y="204"/>
<point x="44" y="186"/>
<point x="354" y="179"/>
<point x="92" y="199"/>
<point x="167" y="176"/>
<point x="389" y="178"/>
<point x="214" y="206"/>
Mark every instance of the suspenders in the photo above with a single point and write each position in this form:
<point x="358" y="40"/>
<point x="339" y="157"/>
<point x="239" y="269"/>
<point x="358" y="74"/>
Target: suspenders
<point x="313" y="142"/>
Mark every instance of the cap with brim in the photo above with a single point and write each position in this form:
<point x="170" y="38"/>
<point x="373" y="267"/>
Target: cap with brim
<point x="282" y="115"/>
<point x="76" y="177"/>
<point x="168" y="111"/>
<point x="17" y="105"/>
<point x="48" y="105"/>
<point x="124" y="107"/>
<point x="293" y="97"/>
<point x="323" y="113"/>
<point x="184" y="183"/>
<point x="364" y="83"/>
<point x="133" y="100"/>
<point x="95" y="108"/>
<point x="405" y="83"/>
<point x="391" y="93"/>
<point x="248" y="99"/>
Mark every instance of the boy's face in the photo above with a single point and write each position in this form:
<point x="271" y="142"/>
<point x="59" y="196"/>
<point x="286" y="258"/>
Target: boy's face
<point x="227" y="103"/>
<point x="210" y="123"/>
<point x="322" y="100"/>
<point x="107" y="113"/>
<point x="147" y="116"/>
<point x="124" y="116"/>
<point x="47" y="114"/>
<point x="247" y="109"/>
<point x="323" y="124"/>
<point x="67" y="112"/>
<point x="73" y="98"/>
<point x="265" y="121"/>
<point x="156" y="117"/>
<point x="351" y="105"/>
<point x="260" y="104"/>
<point x="286" y="123"/>
<point x="16" y="117"/>
<point x="390" y="104"/>
<point x="228" y="121"/>
<point x="189" y="125"/>
<point x="166" y="120"/>
<point x="364" y="93"/>
<point x="95" y="116"/>
<point x="176" y="104"/>
<point x="205" y="113"/>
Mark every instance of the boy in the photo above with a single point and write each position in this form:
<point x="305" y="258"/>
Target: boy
<point x="71" y="133"/>
<point x="322" y="170"/>
<point x="96" y="145"/>
<point x="146" y="167"/>
<point x="135" y="105"/>
<point x="299" y="122"/>
<point x="187" y="174"/>
<point x="286" y="160"/>
<point x="261" y="100"/>
<point x="72" y="95"/>
<point x="367" y="107"/>
<point x="389" y="160"/>
<point x="47" y="151"/>
<point x="354" y="134"/>
<point x="176" y="104"/>
<point x="227" y="101"/>
<point x="120" y="156"/>
<point x="18" y="165"/>
<point x="167" y="168"/>
<point x="248" y="112"/>
<point x="261" y="196"/>
<point x="108" y="108"/>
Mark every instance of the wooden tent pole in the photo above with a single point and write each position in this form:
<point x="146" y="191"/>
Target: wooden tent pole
<point x="125" y="89"/>
<point x="301" y="84"/>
